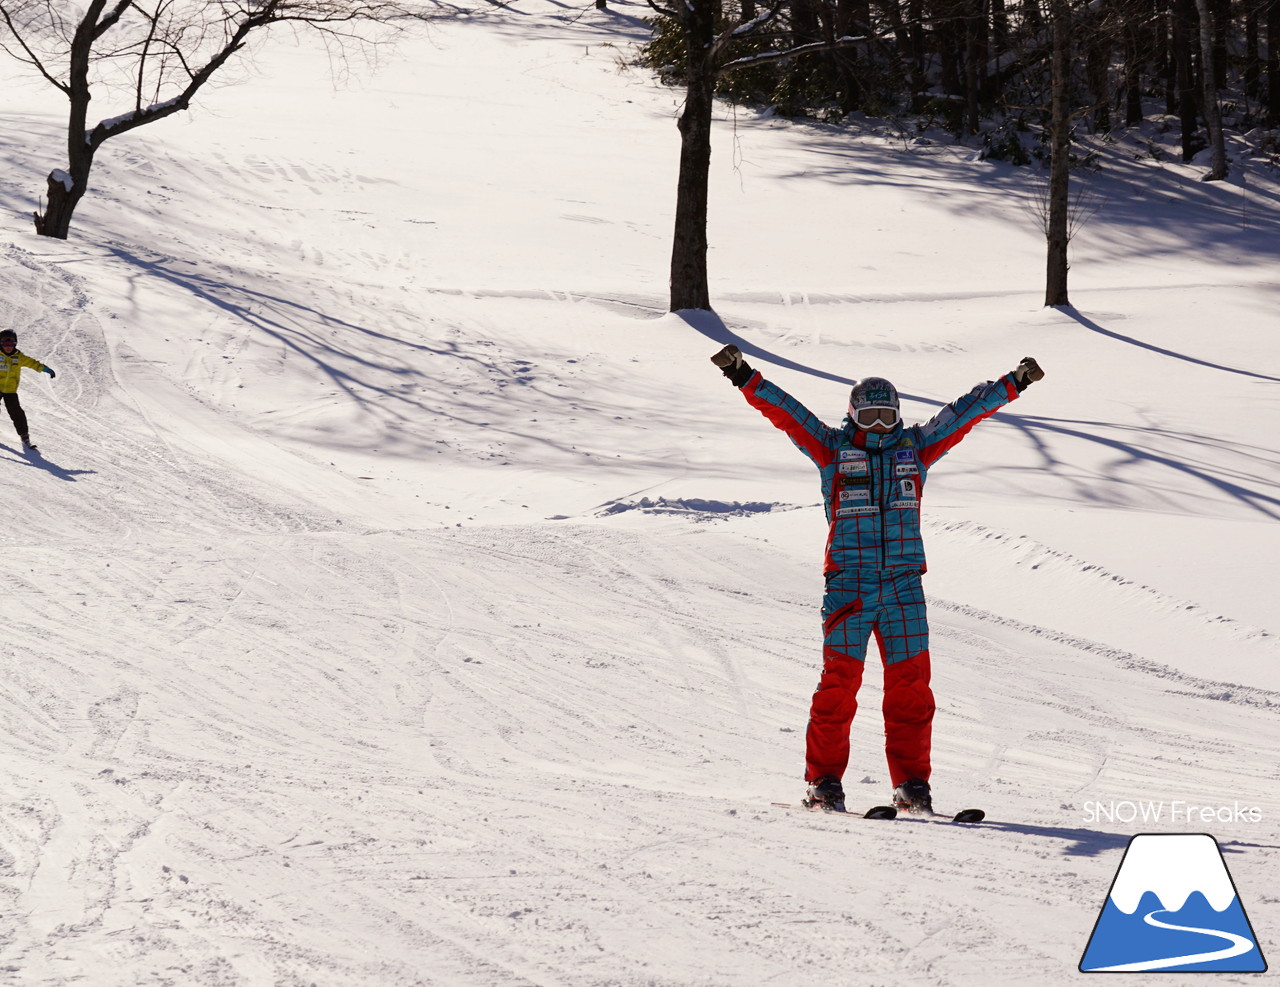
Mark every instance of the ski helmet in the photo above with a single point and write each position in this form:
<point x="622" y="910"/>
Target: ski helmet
<point x="873" y="401"/>
<point x="8" y="336"/>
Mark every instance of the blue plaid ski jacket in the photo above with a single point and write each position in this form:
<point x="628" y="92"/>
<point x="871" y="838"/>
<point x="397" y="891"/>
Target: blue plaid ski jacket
<point x="872" y="484"/>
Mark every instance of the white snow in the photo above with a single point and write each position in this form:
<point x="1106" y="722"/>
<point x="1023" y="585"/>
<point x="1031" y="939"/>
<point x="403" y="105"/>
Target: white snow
<point x="393" y="601"/>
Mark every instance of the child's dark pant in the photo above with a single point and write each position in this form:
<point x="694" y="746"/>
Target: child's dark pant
<point x="12" y="405"/>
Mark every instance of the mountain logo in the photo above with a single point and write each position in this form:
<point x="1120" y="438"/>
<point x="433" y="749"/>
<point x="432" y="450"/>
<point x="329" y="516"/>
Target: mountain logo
<point x="1172" y="908"/>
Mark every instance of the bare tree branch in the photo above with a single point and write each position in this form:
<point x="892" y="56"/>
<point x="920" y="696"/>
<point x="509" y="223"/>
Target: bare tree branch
<point x="113" y="18"/>
<point x="19" y="34"/>
<point x="664" y="11"/>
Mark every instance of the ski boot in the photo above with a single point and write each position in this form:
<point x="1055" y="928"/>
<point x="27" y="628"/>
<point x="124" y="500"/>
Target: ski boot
<point x="913" y="798"/>
<point x="826" y="793"/>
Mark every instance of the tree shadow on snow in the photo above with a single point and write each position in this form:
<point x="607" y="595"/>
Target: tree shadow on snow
<point x="1092" y="326"/>
<point x="713" y="327"/>
<point x="393" y="378"/>
<point x="290" y="323"/>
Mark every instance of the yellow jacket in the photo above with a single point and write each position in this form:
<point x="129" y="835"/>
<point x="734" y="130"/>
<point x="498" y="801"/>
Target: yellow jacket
<point x="11" y="365"/>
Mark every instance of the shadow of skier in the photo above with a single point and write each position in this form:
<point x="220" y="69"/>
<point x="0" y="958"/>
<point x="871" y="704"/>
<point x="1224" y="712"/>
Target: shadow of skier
<point x="32" y="457"/>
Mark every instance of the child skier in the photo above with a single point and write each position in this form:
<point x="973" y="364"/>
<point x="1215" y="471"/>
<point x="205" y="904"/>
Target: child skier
<point x="12" y="360"/>
<point x="873" y="473"/>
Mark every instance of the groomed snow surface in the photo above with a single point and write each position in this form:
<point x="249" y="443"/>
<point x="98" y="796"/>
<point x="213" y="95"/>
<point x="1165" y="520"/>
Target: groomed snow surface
<point x="400" y="597"/>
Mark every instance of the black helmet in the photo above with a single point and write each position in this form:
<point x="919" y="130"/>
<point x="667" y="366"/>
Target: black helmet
<point x="8" y="336"/>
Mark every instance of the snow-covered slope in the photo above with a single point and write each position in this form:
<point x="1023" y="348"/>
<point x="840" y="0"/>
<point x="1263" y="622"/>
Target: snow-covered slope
<point x="400" y="597"/>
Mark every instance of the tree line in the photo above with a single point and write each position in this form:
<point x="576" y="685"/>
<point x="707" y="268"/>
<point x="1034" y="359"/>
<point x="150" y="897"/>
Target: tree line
<point x="985" y="66"/>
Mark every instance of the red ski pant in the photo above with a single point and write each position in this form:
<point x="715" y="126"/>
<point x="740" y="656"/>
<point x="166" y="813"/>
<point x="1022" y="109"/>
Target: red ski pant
<point x="891" y="606"/>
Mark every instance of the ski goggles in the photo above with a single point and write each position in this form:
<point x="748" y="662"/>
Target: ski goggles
<point x="874" y="415"/>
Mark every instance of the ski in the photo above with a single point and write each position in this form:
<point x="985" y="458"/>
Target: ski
<point x="892" y="812"/>
<point x="875" y="812"/>
<point x="963" y="816"/>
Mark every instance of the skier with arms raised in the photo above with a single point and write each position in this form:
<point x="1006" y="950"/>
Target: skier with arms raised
<point x="873" y="472"/>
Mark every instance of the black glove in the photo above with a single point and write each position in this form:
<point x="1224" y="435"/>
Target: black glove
<point x="732" y="365"/>
<point x="1025" y="373"/>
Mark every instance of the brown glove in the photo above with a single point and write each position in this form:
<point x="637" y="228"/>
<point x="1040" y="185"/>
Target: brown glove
<point x="1025" y="373"/>
<point x="732" y="365"/>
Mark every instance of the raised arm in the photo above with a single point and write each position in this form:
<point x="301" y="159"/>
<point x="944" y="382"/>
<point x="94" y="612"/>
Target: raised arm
<point x="944" y="430"/>
<point x="815" y="439"/>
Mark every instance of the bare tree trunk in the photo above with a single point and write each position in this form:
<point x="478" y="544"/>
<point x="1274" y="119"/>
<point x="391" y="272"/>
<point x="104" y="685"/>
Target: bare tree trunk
<point x="1057" y="232"/>
<point x="949" y="39"/>
<point x="1098" y="72"/>
<point x="999" y="27"/>
<point x="973" y="23"/>
<point x="1133" y="62"/>
<point x="65" y="192"/>
<point x="1220" y="17"/>
<point x="1185" y="84"/>
<point x="689" y="287"/>
<point x="852" y="17"/>
<point x="915" y="30"/>
<point x="1252" y="62"/>
<point x="908" y="48"/>
<point x="67" y="188"/>
<point x="1273" y="60"/>
<point x="1218" y="165"/>
<point x="1165" y="55"/>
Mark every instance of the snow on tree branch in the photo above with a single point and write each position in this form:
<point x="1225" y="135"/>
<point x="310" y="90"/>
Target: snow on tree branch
<point x="764" y="58"/>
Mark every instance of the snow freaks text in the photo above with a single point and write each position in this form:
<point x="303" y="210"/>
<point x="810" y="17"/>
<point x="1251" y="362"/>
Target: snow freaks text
<point x="1177" y="811"/>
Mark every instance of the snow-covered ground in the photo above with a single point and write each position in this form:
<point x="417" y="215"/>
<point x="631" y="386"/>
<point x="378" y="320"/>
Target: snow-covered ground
<point x="400" y="597"/>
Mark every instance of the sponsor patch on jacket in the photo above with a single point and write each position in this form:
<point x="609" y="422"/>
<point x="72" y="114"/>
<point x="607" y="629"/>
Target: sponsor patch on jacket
<point x="855" y="501"/>
<point x="904" y="463"/>
<point x="853" y="462"/>
<point x="856" y="467"/>
<point x="906" y="494"/>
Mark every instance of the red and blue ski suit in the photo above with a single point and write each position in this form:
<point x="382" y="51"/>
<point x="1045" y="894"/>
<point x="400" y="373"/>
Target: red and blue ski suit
<point x="872" y="485"/>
